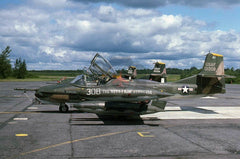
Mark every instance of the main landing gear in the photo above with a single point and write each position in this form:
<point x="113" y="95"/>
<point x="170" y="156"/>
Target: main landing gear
<point x="63" y="108"/>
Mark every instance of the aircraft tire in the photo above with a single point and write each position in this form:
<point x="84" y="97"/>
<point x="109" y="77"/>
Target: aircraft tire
<point x="63" y="108"/>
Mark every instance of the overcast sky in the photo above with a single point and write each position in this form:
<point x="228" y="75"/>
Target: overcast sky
<point x="66" y="34"/>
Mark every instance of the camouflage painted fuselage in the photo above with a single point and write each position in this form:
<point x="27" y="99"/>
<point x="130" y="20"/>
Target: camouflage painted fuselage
<point x="138" y="95"/>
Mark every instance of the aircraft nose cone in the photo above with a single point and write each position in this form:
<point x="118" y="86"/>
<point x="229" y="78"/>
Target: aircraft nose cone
<point x="38" y="94"/>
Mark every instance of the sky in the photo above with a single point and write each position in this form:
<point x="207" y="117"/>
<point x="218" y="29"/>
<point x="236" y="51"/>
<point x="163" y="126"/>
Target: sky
<point x="66" y="34"/>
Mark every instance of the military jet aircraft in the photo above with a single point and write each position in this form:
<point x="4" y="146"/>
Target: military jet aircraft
<point x="159" y="73"/>
<point x="132" y="73"/>
<point x="103" y="91"/>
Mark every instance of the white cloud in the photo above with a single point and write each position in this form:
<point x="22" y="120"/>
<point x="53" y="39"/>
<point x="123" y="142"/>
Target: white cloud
<point x="68" y="35"/>
<point x="161" y="3"/>
<point x="26" y="29"/>
<point x="50" y="3"/>
<point x="106" y="10"/>
<point x="139" y="12"/>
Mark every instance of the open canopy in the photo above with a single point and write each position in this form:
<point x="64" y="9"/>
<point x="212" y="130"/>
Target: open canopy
<point x="101" y="66"/>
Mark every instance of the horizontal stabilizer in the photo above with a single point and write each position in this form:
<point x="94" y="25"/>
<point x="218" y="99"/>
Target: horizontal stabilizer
<point x="25" y="89"/>
<point x="213" y="76"/>
<point x="229" y="76"/>
<point x="158" y="104"/>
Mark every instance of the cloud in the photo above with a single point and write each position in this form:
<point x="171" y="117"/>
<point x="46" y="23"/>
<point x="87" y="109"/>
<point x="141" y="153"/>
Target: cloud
<point x="161" y="3"/>
<point x="66" y="37"/>
<point x="129" y="32"/>
<point x="51" y="3"/>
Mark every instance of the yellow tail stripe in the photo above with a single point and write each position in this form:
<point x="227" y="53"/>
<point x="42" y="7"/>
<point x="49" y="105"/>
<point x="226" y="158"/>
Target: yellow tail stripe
<point x="214" y="54"/>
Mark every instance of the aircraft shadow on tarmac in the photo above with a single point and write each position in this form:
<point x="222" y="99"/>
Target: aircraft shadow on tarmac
<point x="123" y="120"/>
<point x="113" y="120"/>
<point x="106" y="119"/>
<point x="197" y="110"/>
<point x="57" y="112"/>
<point x="194" y="109"/>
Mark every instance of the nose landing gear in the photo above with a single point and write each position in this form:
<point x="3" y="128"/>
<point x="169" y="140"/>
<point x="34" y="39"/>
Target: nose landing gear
<point x="63" y="108"/>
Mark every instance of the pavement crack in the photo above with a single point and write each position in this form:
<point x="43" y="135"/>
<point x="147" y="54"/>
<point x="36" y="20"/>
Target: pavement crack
<point x="3" y="124"/>
<point x="71" y="138"/>
<point x="187" y="139"/>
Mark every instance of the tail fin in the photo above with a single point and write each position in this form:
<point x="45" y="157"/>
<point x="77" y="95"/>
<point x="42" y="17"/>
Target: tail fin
<point x="159" y="73"/>
<point x="132" y="73"/>
<point x="213" y="65"/>
<point x="211" y="79"/>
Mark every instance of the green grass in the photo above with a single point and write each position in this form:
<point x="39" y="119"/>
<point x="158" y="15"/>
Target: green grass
<point x="173" y="77"/>
<point x="39" y="78"/>
<point x="55" y="73"/>
<point x="47" y="75"/>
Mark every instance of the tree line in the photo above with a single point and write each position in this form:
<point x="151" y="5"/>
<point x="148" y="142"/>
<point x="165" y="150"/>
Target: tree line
<point x="6" y="70"/>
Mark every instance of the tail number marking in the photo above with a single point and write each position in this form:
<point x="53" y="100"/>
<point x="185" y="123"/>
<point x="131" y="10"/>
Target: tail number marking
<point x="93" y="91"/>
<point x="210" y="66"/>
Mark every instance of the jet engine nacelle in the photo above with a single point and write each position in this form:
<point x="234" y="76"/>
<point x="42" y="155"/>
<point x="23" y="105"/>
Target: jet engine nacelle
<point x="123" y="106"/>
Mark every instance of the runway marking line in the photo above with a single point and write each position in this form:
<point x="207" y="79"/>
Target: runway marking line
<point x="21" y="135"/>
<point x="77" y="140"/>
<point x="20" y="118"/>
<point x="32" y="108"/>
<point x="17" y="112"/>
<point x="12" y="122"/>
<point x="145" y="134"/>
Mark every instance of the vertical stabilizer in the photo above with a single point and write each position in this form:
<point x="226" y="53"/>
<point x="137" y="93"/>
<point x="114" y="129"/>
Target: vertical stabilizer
<point x="213" y="65"/>
<point x="159" y="73"/>
<point x="132" y="72"/>
<point x="211" y="78"/>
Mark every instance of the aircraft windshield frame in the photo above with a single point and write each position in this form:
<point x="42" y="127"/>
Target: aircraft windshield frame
<point x="79" y="80"/>
<point x="101" y="66"/>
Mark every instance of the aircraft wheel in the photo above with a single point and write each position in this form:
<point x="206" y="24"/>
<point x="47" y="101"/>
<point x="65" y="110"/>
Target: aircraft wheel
<point x="63" y="108"/>
<point x="143" y="107"/>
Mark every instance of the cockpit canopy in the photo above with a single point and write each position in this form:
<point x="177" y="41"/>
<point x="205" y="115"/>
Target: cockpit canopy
<point x="102" y="67"/>
<point x="100" y="72"/>
<point x="83" y="80"/>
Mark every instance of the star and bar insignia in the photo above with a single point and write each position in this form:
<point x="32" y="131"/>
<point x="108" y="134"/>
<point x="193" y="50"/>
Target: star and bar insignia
<point x="185" y="89"/>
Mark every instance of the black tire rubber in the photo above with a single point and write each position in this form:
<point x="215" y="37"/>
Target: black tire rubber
<point x="63" y="108"/>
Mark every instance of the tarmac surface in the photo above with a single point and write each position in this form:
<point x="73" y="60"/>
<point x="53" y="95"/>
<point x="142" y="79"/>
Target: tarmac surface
<point x="206" y="127"/>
